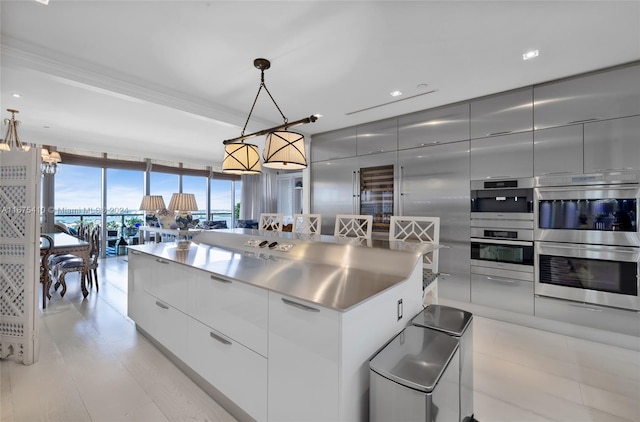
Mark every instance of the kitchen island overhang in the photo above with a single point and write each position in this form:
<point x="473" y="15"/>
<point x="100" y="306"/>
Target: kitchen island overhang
<point x="316" y="312"/>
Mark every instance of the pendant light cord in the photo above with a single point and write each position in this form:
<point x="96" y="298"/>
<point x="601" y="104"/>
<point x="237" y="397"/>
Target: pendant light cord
<point x="262" y="85"/>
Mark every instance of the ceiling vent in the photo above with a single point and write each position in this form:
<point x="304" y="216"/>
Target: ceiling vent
<point x="391" y="102"/>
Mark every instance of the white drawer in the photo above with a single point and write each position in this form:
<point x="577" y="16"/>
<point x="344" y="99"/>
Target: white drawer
<point x="239" y="373"/>
<point x="166" y="324"/>
<point x="236" y="309"/>
<point x="169" y="282"/>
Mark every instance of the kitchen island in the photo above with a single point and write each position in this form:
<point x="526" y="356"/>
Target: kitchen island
<point x="276" y="334"/>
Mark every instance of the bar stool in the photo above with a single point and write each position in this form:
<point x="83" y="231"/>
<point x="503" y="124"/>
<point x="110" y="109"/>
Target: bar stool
<point x="350" y="225"/>
<point x="271" y="221"/>
<point x="307" y="223"/>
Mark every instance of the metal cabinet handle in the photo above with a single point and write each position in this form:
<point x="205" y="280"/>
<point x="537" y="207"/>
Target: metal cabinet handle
<point x="591" y="119"/>
<point x="300" y="305"/>
<point x="615" y="169"/>
<point x="135" y="253"/>
<point x="444" y="274"/>
<point x="556" y="172"/>
<point x="219" y="338"/>
<point x="498" y="177"/>
<point x="162" y="305"/>
<point x="505" y="280"/>
<point x="588" y="308"/>
<point x="221" y="280"/>
<point x="161" y="261"/>
<point x="500" y="133"/>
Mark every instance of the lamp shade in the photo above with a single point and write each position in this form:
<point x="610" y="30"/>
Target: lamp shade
<point x="152" y="203"/>
<point x="241" y="158"/>
<point x="183" y="202"/>
<point x="285" y="150"/>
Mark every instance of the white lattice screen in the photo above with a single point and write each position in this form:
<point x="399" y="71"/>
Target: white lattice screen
<point x="19" y="254"/>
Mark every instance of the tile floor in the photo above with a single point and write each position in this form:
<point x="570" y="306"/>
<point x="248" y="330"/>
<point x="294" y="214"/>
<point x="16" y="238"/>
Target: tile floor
<point x="95" y="366"/>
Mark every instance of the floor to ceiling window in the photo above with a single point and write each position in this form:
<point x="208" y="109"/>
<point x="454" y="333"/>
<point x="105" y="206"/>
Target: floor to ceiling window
<point x="78" y="195"/>
<point x="125" y="189"/>
<point x="164" y="184"/>
<point x="197" y="185"/>
<point x="222" y="204"/>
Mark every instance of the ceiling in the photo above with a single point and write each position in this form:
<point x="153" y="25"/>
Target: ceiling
<point x="170" y="80"/>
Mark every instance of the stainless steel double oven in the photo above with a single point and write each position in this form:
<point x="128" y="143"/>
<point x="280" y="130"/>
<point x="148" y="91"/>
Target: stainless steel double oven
<point x="587" y="239"/>
<point x="502" y="246"/>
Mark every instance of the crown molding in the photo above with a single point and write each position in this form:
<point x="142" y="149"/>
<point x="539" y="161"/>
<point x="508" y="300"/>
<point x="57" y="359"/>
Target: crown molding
<point x="17" y="54"/>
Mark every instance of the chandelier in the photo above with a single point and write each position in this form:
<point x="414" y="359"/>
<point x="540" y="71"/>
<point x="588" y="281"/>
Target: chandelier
<point x="50" y="161"/>
<point x="283" y="149"/>
<point x="11" y="138"/>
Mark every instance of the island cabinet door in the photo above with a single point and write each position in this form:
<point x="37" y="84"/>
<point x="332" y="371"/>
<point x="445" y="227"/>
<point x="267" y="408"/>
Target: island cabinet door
<point x="139" y="269"/>
<point x="236" y="309"/>
<point x="168" y="282"/>
<point x="236" y="371"/>
<point x="303" y="361"/>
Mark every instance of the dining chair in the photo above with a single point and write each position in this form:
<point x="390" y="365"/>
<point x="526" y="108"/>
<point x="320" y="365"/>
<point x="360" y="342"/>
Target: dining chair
<point x="76" y="264"/>
<point x="423" y="230"/>
<point x="351" y="225"/>
<point x="271" y="221"/>
<point x="46" y="247"/>
<point x="307" y="223"/>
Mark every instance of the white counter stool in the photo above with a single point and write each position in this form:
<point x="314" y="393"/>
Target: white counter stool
<point x="271" y="221"/>
<point x="307" y="223"/>
<point x="358" y="226"/>
<point x="423" y="230"/>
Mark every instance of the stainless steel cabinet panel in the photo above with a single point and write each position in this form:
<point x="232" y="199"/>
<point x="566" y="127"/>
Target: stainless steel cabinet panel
<point x="435" y="126"/>
<point x="333" y="190"/>
<point x="558" y="150"/>
<point x="434" y="181"/>
<point x="502" y="156"/>
<point x="612" y="145"/>
<point x="333" y="145"/>
<point x="509" y="294"/>
<point x="501" y="114"/>
<point x="377" y="137"/>
<point x="603" y="95"/>
<point x="603" y="318"/>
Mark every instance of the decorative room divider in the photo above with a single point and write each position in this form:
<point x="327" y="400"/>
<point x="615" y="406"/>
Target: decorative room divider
<point x="19" y="254"/>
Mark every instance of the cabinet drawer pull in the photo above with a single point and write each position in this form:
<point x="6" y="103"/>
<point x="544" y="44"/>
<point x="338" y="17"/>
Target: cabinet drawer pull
<point x="499" y="133"/>
<point x="444" y="274"/>
<point x="135" y="252"/>
<point x="162" y="305"/>
<point x="587" y="308"/>
<point x="500" y="279"/>
<point x="219" y="338"/>
<point x="161" y="261"/>
<point x="591" y="119"/>
<point x="300" y="305"/>
<point x="221" y="280"/>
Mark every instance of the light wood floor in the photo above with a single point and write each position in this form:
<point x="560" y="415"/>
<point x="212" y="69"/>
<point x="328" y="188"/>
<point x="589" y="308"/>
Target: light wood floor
<point x="95" y="366"/>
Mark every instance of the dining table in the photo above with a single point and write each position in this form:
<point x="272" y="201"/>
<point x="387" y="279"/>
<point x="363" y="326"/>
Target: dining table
<point x="64" y="243"/>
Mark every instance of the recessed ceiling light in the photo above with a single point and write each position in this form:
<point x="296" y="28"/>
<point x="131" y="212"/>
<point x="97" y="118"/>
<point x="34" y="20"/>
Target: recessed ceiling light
<point x="396" y="93"/>
<point x="16" y="95"/>
<point x="530" y="54"/>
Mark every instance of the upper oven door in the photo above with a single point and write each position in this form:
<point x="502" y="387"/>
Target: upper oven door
<point x="603" y="215"/>
<point x="502" y="199"/>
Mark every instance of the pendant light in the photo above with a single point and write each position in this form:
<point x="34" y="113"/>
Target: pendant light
<point x="11" y="138"/>
<point x="283" y="149"/>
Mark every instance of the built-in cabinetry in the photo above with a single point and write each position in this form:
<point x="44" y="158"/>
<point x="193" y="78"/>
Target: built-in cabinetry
<point x="276" y="356"/>
<point x="558" y="150"/>
<point x="334" y="145"/>
<point x="499" y="157"/>
<point x="502" y="114"/>
<point x="434" y="126"/>
<point x="338" y="188"/>
<point x="512" y="291"/>
<point x="603" y="95"/>
<point x="434" y="182"/>
<point x="612" y="145"/>
<point x="377" y="137"/>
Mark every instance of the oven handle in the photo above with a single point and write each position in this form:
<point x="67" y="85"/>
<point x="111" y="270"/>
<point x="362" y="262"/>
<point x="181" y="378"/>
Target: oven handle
<point x="502" y="242"/>
<point x="616" y="249"/>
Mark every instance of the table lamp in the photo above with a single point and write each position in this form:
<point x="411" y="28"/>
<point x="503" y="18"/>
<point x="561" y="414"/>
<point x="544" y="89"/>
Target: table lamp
<point x="151" y="204"/>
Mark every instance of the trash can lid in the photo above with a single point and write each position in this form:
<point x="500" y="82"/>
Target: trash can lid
<point x="452" y="321"/>
<point x="415" y="358"/>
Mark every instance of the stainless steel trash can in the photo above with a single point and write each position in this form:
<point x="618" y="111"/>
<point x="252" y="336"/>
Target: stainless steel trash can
<point x="459" y="324"/>
<point x="415" y="378"/>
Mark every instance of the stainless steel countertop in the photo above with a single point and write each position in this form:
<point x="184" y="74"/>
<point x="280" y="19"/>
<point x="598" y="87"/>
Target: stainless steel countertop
<point x="333" y="275"/>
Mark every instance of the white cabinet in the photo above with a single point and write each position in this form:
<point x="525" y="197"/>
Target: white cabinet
<point x="168" y="282"/>
<point x="166" y="324"/>
<point x="239" y="373"/>
<point x="139" y="269"/>
<point x="612" y="145"/>
<point x="235" y="309"/>
<point x="304" y="361"/>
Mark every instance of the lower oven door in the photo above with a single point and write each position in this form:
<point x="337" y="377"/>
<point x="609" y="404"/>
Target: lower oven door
<point x="502" y="254"/>
<point x="604" y="275"/>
